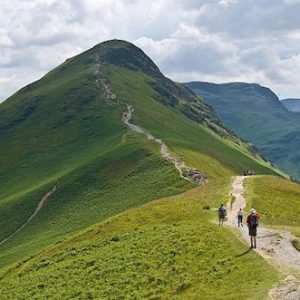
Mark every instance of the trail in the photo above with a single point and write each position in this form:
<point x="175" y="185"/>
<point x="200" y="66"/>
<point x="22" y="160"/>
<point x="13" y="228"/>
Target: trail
<point x="38" y="208"/>
<point x="273" y="245"/>
<point x="187" y="173"/>
<point x="103" y="82"/>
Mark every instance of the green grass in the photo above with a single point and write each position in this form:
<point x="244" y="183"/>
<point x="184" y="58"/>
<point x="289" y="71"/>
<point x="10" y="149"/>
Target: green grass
<point x="130" y="175"/>
<point x="163" y="249"/>
<point x="277" y="200"/>
<point x="101" y="235"/>
<point x="197" y="144"/>
<point x="255" y="114"/>
<point x="61" y="129"/>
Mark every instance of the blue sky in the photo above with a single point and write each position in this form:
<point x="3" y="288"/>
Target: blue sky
<point x="217" y="40"/>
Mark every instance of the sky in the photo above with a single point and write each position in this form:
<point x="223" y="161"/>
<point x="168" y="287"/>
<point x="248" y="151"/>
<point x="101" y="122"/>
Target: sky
<point x="217" y="40"/>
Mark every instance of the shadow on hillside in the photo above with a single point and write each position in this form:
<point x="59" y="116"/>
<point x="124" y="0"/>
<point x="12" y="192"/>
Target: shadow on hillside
<point x="244" y="253"/>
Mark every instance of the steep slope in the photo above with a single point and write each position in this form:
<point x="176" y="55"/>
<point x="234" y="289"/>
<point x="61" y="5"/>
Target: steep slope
<point x="66" y="130"/>
<point x="256" y="114"/>
<point x="291" y="104"/>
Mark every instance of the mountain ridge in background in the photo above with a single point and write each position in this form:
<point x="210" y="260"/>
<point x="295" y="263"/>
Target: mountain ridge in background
<point x="291" y="104"/>
<point x="256" y="114"/>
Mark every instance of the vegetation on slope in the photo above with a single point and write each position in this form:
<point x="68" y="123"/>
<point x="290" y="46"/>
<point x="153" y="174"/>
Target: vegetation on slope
<point x="256" y="114"/>
<point x="66" y="128"/>
<point x="130" y="175"/>
<point x="277" y="200"/>
<point x="228" y="154"/>
<point x="164" y="249"/>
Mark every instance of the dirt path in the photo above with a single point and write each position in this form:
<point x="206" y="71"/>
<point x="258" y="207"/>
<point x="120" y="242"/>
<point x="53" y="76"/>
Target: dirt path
<point x="187" y="173"/>
<point x="273" y="245"/>
<point x="38" y="208"/>
<point x="102" y="82"/>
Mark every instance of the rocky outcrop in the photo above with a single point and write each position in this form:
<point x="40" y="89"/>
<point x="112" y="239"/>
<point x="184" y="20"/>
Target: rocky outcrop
<point x="103" y="82"/>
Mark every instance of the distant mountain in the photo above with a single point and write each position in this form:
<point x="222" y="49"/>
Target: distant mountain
<point x="291" y="104"/>
<point x="256" y="114"/>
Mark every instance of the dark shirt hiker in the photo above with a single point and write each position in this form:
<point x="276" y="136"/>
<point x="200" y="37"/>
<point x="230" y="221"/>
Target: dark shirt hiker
<point x="222" y="214"/>
<point x="252" y="223"/>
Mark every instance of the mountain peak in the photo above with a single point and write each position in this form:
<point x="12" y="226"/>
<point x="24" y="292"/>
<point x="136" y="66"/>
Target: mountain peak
<point x="115" y="43"/>
<point x="125" y="54"/>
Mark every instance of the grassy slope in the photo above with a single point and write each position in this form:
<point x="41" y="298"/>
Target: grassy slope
<point x="103" y="187"/>
<point x="186" y="138"/>
<point x="164" y="249"/>
<point x="74" y="137"/>
<point x="79" y="136"/>
<point x="103" y="170"/>
<point x="256" y="114"/>
<point x="66" y="130"/>
<point x="277" y="200"/>
<point x="242" y="106"/>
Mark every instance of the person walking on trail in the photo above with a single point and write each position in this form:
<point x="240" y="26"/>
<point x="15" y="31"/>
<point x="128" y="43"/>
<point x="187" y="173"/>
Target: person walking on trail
<point x="252" y="223"/>
<point x="222" y="214"/>
<point x="240" y="215"/>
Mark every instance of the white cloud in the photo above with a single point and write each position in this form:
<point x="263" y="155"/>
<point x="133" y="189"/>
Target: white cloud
<point x="227" y="3"/>
<point x="213" y="40"/>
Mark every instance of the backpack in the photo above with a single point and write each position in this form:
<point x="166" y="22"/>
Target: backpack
<point x="222" y="211"/>
<point x="253" y="221"/>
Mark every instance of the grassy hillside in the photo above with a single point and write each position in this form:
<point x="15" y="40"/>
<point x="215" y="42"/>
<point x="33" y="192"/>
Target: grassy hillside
<point x="99" y="236"/>
<point x="256" y="114"/>
<point x="161" y="250"/>
<point x="66" y="128"/>
<point x="227" y="154"/>
<point x="101" y="188"/>
<point x="277" y="200"/>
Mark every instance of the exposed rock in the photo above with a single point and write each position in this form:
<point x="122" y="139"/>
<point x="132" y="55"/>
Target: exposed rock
<point x="103" y="82"/>
<point x="190" y="174"/>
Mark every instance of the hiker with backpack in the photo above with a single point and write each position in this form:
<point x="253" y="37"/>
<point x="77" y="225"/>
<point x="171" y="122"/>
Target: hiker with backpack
<point x="240" y="215"/>
<point x="222" y="214"/>
<point x="252" y="223"/>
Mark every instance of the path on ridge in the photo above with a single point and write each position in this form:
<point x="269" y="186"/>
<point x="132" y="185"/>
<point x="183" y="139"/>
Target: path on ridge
<point x="187" y="173"/>
<point x="273" y="245"/>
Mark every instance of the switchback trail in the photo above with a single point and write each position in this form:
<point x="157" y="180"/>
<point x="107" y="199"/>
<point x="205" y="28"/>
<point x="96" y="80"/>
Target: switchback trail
<point x="273" y="245"/>
<point x="187" y="173"/>
<point x="38" y="208"/>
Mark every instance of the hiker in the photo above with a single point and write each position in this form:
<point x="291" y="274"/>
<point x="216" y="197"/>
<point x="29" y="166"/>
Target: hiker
<point x="252" y="223"/>
<point x="222" y="214"/>
<point x="240" y="215"/>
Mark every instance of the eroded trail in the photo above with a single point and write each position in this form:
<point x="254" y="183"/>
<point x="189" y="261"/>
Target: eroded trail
<point x="187" y="173"/>
<point x="38" y="208"/>
<point x="274" y="245"/>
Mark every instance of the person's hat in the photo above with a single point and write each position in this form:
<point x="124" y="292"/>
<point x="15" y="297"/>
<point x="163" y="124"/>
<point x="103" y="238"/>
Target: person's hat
<point x="252" y="210"/>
